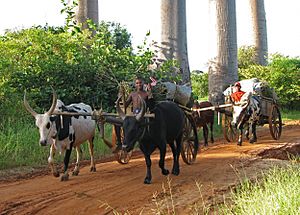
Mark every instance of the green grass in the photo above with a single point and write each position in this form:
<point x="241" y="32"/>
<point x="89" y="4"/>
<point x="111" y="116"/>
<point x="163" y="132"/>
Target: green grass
<point x="290" y="114"/>
<point x="276" y="193"/>
<point x="19" y="146"/>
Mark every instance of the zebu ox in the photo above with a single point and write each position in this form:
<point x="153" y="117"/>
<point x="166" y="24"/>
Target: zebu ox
<point x="63" y="133"/>
<point x="151" y="133"/>
<point x="246" y="112"/>
<point x="203" y="119"/>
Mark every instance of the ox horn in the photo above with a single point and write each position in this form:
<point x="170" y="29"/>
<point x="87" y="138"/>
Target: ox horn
<point x="27" y="106"/>
<point x="53" y="105"/>
<point x="119" y="110"/>
<point x="141" y="114"/>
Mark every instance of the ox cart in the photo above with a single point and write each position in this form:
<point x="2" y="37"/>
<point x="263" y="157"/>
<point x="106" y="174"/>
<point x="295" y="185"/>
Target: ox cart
<point x="189" y="142"/>
<point x="270" y="115"/>
<point x="189" y="147"/>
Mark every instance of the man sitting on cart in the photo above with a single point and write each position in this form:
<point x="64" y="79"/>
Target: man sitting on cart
<point x="238" y="93"/>
<point x="136" y="104"/>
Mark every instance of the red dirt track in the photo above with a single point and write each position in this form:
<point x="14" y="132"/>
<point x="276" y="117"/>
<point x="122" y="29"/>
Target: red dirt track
<point x="217" y="168"/>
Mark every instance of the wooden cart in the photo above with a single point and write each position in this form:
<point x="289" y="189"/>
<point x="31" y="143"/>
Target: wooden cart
<point x="190" y="142"/>
<point x="270" y="114"/>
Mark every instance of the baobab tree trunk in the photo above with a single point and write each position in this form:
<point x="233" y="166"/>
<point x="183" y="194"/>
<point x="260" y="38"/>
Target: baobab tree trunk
<point x="259" y="31"/>
<point x="173" y="35"/>
<point x="224" y="70"/>
<point x="86" y="9"/>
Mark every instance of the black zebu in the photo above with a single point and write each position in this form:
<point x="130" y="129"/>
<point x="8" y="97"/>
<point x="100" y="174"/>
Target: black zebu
<point x="151" y="133"/>
<point x="203" y="119"/>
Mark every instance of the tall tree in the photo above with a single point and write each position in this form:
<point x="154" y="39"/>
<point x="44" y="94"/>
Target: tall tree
<point x="259" y="30"/>
<point x="173" y="35"/>
<point x="86" y="9"/>
<point x="223" y="70"/>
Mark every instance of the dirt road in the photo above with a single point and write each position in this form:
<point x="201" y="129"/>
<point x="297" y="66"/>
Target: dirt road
<point x="217" y="168"/>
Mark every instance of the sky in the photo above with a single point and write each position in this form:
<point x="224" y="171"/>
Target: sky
<point x="140" y="16"/>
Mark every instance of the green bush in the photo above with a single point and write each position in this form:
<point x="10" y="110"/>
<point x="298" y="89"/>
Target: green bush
<point x="199" y="85"/>
<point x="81" y="67"/>
<point x="282" y="73"/>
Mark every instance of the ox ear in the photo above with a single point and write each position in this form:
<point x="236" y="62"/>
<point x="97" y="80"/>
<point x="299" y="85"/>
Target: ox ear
<point x="141" y="114"/>
<point x="119" y="110"/>
<point x="53" y="105"/>
<point x="28" y="108"/>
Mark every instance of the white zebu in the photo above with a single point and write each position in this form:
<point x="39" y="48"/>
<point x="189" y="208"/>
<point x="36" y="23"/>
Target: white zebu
<point x="64" y="132"/>
<point x="247" y="111"/>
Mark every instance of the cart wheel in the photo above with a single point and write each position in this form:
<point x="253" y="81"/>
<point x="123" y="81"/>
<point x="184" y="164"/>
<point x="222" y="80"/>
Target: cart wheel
<point x="229" y="131"/>
<point x="122" y="156"/>
<point x="190" y="143"/>
<point x="275" y="122"/>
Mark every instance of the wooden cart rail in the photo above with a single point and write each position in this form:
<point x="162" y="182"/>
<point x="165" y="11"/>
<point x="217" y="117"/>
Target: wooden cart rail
<point x="96" y="114"/>
<point x="214" y="108"/>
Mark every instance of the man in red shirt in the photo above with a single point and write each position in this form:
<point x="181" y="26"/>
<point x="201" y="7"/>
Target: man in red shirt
<point x="238" y="93"/>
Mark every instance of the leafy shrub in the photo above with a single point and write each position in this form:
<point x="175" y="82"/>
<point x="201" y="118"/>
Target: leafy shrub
<point x="282" y="73"/>
<point x="199" y="85"/>
<point x="81" y="67"/>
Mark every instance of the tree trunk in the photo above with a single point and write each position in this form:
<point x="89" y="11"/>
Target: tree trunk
<point x="224" y="70"/>
<point x="173" y="35"/>
<point x="259" y="31"/>
<point x="87" y="9"/>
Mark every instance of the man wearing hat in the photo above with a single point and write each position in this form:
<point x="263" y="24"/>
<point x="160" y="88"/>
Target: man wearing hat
<point x="238" y="93"/>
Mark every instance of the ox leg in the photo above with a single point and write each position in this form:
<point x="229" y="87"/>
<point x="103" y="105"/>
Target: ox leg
<point x="65" y="176"/>
<point x="205" y="134"/>
<point x="51" y="161"/>
<point x="176" y="153"/>
<point x="76" y="169"/>
<point x="253" y="138"/>
<point x="240" y="140"/>
<point x="91" y="149"/>
<point x="212" y="132"/>
<point x="163" y="150"/>
<point x="148" y="174"/>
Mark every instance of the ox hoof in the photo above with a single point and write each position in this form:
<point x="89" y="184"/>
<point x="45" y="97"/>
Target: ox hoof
<point x="64" y="177"/>
<point x="252" y="140"/>
<point x="175" y="172"/>
<point x="93" y="169"/>
<point x="147" y="181"/>
<point x="56" y="174"/>
<point x="165" y="172"/>
<point x="75" y="173"/>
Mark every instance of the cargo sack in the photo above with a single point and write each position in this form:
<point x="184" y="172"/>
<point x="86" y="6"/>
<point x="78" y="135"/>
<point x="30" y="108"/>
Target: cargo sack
<point x="169" y="91"/>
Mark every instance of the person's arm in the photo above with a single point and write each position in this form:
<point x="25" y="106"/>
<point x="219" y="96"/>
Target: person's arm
<point x="128" y="101"/>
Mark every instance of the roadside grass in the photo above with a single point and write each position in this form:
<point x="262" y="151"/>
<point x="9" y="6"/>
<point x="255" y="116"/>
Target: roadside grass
<point x="276" y="193"/>
<point x="290" y="114"/>
<point x="19" y="146"/>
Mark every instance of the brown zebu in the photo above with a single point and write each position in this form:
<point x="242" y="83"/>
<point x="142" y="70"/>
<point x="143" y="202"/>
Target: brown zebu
<point x="203" y="119"/>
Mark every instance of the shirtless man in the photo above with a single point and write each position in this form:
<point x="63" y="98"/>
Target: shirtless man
<point x="136" y="105"/>
<point x="134" y="96"/>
